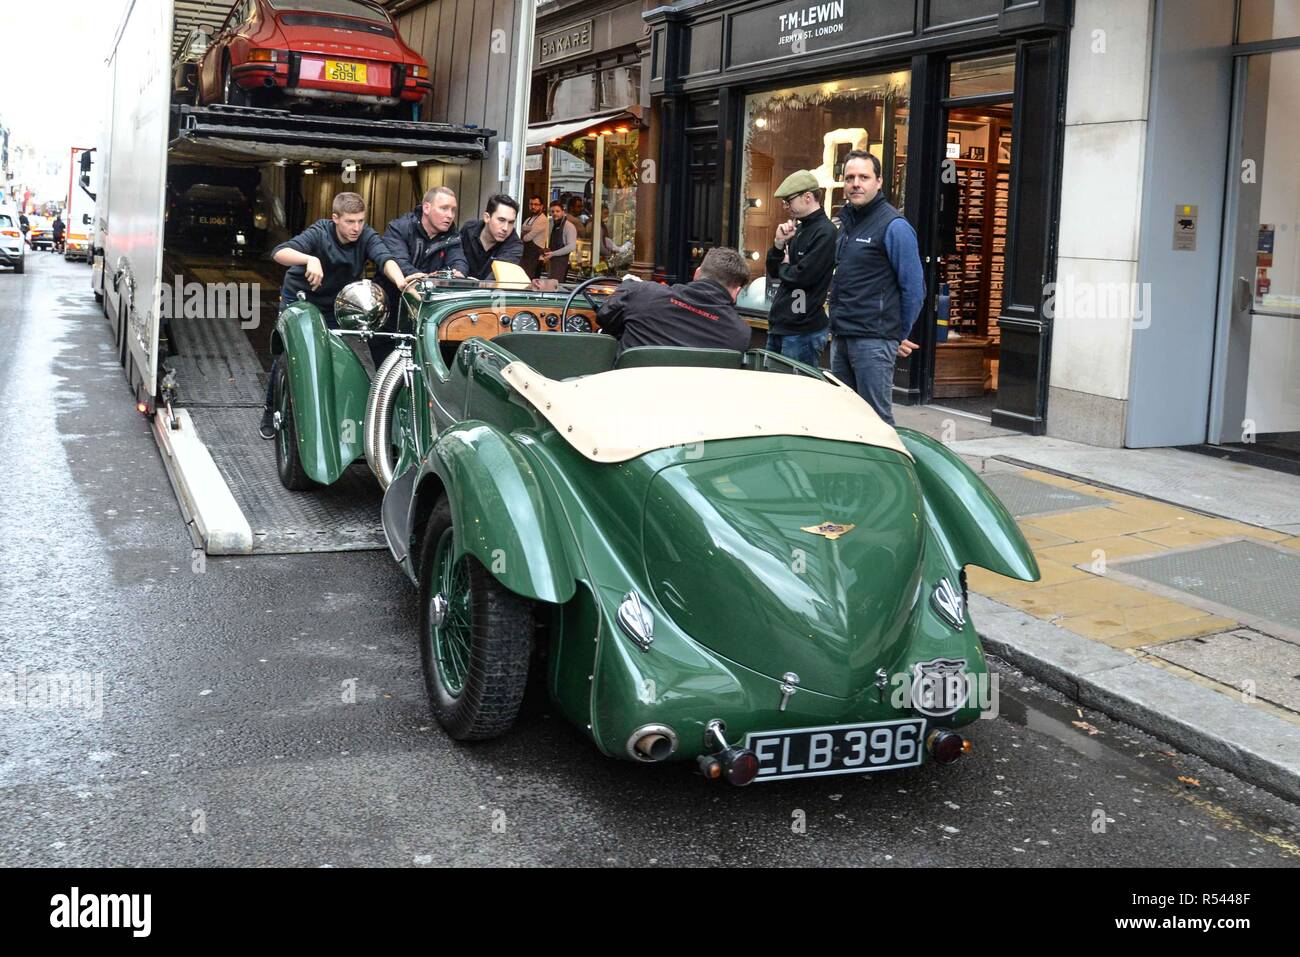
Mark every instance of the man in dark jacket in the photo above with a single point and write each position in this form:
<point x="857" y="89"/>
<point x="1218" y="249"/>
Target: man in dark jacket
<point x="322" y="259"/>
<point x="878" y="288"/>
<point x="492" y="238"/>
<point x="701" y="313"/>
<point x="422" y="241"/>
<point x="800" y="265"/>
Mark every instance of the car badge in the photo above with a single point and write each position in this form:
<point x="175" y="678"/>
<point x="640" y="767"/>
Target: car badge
<point x="829" y="530"/>
<point x="939" y="686"/>
<point x="949" y="603"/>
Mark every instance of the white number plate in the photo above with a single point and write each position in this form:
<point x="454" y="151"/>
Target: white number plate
<point x="837" y="749"/>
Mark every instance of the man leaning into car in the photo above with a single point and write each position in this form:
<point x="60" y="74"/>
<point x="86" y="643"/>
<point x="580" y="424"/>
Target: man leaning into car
<point x="701" y="313"/>
<point x="322" y="259"/>
<point x="492" y="238"/>
<point x="423" y="241"/>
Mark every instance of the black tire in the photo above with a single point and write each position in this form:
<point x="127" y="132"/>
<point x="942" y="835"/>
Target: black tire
<point x="500" y="625"/>
<point x="22" y="264"/>
<point x="288" y="463"/>
<point x="232" y="94"/>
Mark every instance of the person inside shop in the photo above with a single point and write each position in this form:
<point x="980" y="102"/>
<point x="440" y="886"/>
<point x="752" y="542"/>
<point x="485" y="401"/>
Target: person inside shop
<point x="492" y="238"/>
<point x="563" y="240"/>
<point x="878" y="288"/>
<point x="423" y="241"/>
<point x="701" y="313"/>
<point x="534" y="234"/>
<point x="799" y="266"/>
<point x="322" y="259"/>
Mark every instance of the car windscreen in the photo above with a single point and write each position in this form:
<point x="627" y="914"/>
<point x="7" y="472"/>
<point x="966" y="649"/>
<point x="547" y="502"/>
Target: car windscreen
<point x="338" y="8"/>
<point x="5" y="221"/>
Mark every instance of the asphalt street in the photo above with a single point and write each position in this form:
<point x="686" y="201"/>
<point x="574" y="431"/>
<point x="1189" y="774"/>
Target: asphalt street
<point x="269" y="711"/>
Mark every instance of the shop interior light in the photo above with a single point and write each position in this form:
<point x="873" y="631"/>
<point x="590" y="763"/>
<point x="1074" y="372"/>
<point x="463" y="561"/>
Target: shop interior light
<point x="752" y="254"/>
<point x="309" y="171"/>
<point x="410" y="162"/>
<point x="621" y="129"/>
<point x="606" y="132"/>
<point x="761" y="122"/>
<point x="753" y="202"/>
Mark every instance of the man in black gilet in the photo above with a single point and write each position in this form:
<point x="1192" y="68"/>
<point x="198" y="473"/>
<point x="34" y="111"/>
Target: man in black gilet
<point x="878" y="288"/>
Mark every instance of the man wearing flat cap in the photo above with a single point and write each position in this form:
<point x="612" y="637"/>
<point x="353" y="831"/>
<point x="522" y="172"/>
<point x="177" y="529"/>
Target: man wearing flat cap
<point x="800" y="264"/>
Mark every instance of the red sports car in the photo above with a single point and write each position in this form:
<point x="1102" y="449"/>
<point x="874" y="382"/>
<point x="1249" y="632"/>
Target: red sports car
<point x="313" y="51"/>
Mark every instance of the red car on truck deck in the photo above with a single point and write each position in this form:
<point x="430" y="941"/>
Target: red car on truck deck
<point x="313" y="51"/>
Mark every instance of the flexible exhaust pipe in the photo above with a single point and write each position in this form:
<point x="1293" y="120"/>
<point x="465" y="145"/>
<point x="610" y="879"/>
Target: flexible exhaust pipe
<point x="389" y="379"/>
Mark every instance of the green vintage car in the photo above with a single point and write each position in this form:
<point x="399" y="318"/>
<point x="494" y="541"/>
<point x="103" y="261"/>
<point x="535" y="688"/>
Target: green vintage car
<point x="715" y="557"/>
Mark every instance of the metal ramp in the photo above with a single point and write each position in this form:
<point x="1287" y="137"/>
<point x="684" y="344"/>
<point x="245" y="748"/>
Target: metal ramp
<point x="221" y="384"/>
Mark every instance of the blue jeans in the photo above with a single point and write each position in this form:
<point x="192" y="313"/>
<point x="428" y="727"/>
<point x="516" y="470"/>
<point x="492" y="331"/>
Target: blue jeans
<point x="806" y="348"/>
<point x="867" y="367"/>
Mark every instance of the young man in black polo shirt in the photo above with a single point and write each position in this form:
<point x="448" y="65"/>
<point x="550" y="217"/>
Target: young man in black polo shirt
<point x="701" y="313"/>
<point x="322" y="259"/>
<point x="492" y="238"/>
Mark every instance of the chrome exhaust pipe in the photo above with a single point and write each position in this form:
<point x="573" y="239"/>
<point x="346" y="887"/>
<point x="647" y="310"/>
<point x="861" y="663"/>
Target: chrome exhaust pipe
<point x="389" y="379"/>
<point x="652" y="742"/>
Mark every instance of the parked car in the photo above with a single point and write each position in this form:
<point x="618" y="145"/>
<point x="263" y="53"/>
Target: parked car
<point x="770" y="583"/>
<point x="12" y="249"/>
<point x="334" y="54"/>
<point x="41" y="233"/>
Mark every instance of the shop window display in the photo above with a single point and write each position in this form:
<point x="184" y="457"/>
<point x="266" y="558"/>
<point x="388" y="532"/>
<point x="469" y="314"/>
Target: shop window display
<point x="573" y="182"/>
<point x="814" y="127"/>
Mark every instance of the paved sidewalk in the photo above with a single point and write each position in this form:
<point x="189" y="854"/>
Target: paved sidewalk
<point x="1172" y="560"/>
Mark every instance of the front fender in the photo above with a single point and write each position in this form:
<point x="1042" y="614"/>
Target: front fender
<point x="966" y="514"/>
<point x="501" y="512"/>
<point x="330" y="389"/>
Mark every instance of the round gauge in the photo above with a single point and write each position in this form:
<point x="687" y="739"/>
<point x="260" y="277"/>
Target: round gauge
<point x="525" y="322"/>
<point x="552" y="320"/>
<point x="577" y="323"/>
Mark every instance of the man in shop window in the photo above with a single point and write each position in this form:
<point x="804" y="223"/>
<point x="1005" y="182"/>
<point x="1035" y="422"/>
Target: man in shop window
<point x="701" y="313"/>
<point x="800" y="265"/>
<point x="322" y="259"/>
<point x="534" y="233"/>
<point x="878" y="288"/>
<point x="562" y="241"/>
<point x="492" y="238"/>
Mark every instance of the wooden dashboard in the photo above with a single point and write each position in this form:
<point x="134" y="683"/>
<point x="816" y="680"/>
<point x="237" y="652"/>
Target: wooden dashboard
<point x="488" y="323"/>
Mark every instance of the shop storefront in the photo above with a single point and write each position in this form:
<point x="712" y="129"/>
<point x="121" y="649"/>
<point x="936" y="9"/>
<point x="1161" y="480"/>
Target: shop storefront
<point x="959" y="100"/>
<point x="588" y="129"/>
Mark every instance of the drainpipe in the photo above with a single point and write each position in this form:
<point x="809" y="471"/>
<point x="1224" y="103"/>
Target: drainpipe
<point x="524" y="34"/>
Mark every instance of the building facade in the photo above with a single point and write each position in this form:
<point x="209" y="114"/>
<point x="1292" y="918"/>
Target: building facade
<point x="962" y="102"/>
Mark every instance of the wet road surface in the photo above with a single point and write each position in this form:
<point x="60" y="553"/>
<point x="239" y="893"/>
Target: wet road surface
<point x="227" y="736"/>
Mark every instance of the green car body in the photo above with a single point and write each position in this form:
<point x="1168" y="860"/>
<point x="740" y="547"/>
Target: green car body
<point x="712" y="540"/>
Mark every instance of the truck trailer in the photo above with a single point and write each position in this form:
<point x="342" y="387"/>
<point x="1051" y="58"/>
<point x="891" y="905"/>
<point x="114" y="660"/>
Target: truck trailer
<point x="191" y="201"/>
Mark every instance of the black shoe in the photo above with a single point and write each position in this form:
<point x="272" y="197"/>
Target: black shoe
<point x="267" y="428"/>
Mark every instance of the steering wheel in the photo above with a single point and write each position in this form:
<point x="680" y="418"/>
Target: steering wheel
<point x="581" y="288"/>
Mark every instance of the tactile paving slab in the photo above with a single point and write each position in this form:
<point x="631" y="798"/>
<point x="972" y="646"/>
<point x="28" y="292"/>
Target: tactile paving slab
<point x="338" y="518"/>
<point x="1250" y="577"/>
<point x="1025" y="496"/>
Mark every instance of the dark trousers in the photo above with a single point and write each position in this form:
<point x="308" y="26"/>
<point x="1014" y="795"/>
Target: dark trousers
<point x="557" y="267"/>
<point x="532" y="259"/>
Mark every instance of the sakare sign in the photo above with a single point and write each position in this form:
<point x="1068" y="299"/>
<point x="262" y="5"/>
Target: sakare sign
<point x="780" y="30"/>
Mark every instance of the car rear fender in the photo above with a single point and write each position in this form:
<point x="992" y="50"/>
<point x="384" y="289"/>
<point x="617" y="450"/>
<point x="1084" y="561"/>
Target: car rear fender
<point x="500" y="510"/>
<point x="329" y="387"/>
<point x="965" y="514"/>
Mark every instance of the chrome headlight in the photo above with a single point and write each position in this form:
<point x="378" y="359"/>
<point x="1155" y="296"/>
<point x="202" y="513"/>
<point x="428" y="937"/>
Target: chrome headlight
<point x="360" y="306"/>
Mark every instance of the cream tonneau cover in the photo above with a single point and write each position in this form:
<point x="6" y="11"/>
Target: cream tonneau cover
<point x="620" y="415"/>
